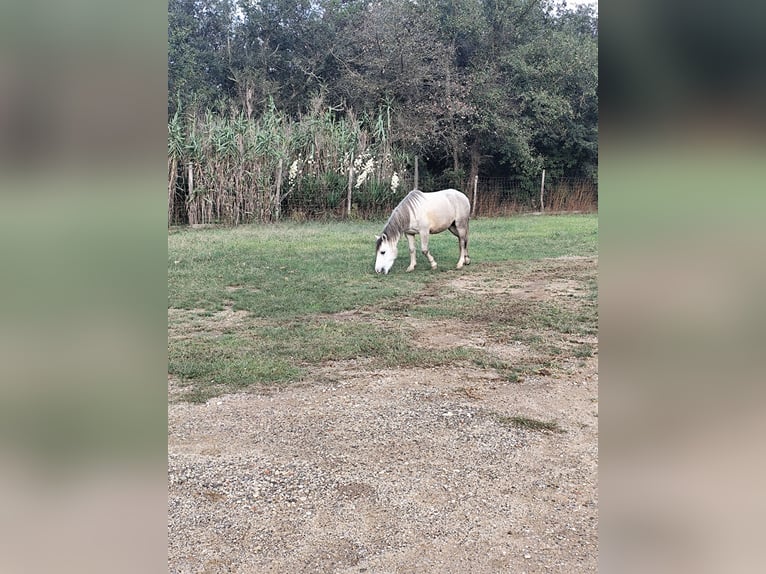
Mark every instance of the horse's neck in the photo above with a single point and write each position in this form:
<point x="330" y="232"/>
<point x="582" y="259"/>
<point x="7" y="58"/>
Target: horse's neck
<point x="391" y="235"/>
<point x="397" y="224"/>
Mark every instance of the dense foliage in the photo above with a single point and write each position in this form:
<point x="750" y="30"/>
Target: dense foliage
<point x="497" y="87"/>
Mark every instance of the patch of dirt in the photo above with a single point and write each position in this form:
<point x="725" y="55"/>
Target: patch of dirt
<point x="444" y="334"/>
<point x="185" y="323"/>
<point x="363" y="469"/>
<point x="535" y="281"/>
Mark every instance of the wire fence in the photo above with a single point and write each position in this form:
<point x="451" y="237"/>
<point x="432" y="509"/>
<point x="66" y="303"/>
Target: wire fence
<point x="497" y="196"/>
<point x="335" y="199"/>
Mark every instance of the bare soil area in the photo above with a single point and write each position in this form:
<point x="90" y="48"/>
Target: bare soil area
<point x="410" y="470"/>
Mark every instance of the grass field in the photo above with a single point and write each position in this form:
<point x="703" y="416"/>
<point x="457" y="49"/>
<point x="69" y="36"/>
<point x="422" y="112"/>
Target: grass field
<point x="265" y="305"/>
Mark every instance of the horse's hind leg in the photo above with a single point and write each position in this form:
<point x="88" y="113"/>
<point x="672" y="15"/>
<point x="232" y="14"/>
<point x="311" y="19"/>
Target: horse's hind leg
<point x="462" y="238"/>
<point x="464" y="245"/>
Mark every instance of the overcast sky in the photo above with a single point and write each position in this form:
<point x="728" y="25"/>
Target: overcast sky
<point x="593" y="3"/>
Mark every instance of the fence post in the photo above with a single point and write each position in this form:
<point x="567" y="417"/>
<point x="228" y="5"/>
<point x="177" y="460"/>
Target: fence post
<point x="415" y="185"/>
<point x="542" y="189"/>
<point x="475" y="191"/>
<point x="191" y="179"/>
<point x="172" y="177"/>
<point x="190" y="197"/>
<point x="350" y="185"/>
<point x="278" y="198"/>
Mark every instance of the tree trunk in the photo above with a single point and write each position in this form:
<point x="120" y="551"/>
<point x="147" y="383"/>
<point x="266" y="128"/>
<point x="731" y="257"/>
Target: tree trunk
<point x="455" y="155"/>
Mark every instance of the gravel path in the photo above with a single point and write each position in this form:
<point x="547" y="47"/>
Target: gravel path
<point x="387" y="471"/>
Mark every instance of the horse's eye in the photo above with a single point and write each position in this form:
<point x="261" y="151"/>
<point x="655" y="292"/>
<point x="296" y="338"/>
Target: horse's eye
<point x="382" y="252"/>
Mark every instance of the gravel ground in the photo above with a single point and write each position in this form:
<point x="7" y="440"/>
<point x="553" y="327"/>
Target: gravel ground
<point x="370" y="470"/>
<point x="388" y="472"/>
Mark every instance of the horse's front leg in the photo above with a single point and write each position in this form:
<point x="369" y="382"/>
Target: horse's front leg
<point x="411" y="243"/>
<point x="424" y="249"/>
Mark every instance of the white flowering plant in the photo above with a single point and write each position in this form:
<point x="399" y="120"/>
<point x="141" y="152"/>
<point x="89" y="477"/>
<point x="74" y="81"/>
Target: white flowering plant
<point x="394" y="182"/>
<point x="293" y="173"/>
<point x="364" y="165"/>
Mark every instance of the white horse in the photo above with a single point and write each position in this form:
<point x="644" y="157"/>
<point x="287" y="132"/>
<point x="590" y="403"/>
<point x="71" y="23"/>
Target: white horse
<point x="424" y="214"/>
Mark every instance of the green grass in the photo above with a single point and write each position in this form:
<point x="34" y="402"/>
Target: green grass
<point x="291" y="281"/>
<point x="298" y="269"/>
<point x="533" y="237"/>
<point x="277" y="271"/>
<point x="526" y="423"/>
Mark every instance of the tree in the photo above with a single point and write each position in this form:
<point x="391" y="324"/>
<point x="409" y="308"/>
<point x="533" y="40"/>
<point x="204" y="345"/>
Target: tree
<point x="508" y="87"/>
<point x="533" y="80"/>
<point x="281" y="53"/>
<point x="199" y="52"/>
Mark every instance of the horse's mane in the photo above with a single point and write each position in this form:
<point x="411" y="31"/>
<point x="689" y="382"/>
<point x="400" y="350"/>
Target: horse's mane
<point x="400" y="218"/>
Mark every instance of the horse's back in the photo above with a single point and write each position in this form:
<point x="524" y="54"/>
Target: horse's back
<point x="441" y="209"/>
<point x="457" y="200"/>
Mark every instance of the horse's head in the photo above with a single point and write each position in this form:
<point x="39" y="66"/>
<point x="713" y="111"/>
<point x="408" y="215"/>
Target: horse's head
<point x="385" y="254"/>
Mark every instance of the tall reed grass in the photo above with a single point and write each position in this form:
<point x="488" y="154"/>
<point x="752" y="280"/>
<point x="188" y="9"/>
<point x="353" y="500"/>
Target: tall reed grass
<point x="572" y="196"/>
<point x="231" y="170"/>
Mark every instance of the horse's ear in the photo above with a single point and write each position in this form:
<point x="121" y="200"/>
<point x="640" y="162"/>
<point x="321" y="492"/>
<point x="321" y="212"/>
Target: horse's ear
<point x="377" y="237"/>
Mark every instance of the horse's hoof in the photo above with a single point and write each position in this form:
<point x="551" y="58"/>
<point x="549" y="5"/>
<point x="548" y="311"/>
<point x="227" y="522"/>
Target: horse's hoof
<point x="409" y="269"/>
